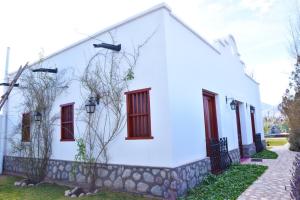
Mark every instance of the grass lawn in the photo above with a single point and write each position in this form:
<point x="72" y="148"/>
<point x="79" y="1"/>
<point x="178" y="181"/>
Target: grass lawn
<point x="265" y="154"/>
<point x="228" y="185"/>
<point x="50" y="192"/>
<point x="276" y="141"/>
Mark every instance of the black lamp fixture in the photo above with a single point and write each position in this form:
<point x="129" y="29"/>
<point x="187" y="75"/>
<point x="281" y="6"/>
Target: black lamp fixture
<point x="252" y="109"/>
<point x="54" y="71"/>
<point x="90" y="106"/>
<point x="37" y="116"/>
<point x="108" y="46"/>
<point x="233" y="103"/>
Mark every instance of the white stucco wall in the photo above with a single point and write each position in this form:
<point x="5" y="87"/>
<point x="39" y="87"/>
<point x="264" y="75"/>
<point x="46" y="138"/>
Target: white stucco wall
<point x="177" y="65"/>
<point x="193" y="65"/>
<point x="150" y="72"/>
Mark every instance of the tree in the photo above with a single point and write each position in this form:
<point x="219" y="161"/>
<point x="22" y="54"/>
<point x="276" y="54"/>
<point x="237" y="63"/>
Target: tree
<point x="38" y="91"/>
<point x="290" y="105"/>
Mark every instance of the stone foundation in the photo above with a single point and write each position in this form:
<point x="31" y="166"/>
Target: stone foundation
<point x="168" y="183"/>
<point x="264" y="143"/>
<point x="249" y="150"/>
<point x="235" y="155"/>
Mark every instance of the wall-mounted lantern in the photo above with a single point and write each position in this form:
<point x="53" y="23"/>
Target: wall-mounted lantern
<point x="233" y="103"/>
<point x="37" y="117"/>
<point x="90" y="106"/>
<point x="252" y="109"/>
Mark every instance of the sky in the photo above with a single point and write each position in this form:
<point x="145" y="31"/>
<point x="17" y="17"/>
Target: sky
<point x="260" y="28"/>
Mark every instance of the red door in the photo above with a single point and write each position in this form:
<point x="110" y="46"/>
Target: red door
<point x="253" y="124"/>
<point x="210" y="119"/>
<point x="239" y="131"/>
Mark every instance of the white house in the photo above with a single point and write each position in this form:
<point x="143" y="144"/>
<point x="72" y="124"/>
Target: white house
<point x="190" y="85"/>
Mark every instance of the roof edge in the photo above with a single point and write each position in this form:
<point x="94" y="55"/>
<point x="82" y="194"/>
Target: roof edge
<point x="129" y="19"/>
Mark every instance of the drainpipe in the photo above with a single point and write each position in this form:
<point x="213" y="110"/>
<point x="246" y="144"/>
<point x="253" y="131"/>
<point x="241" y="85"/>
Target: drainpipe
<point x="4" y="118"/>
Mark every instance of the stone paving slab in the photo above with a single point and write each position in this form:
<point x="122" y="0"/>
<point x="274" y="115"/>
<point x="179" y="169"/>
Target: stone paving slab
<point x="274" y="183"/>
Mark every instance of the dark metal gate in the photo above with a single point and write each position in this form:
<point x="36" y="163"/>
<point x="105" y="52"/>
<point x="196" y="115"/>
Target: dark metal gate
<point x="258" y="144"/>
<point x="219" y="156"/>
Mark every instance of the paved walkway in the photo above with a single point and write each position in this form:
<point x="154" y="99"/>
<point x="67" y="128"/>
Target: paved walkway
<point x="274" y="184"/>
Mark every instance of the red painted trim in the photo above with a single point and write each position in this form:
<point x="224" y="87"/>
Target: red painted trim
<point x="208" y="93"/>
<point x="61" y="121"/>
<point x="136" y="112"/>
<point x="67" y="140"/>
<point x="137" y="91"/>
<point x="67" y="104"/>
<point x="139" y="138"/>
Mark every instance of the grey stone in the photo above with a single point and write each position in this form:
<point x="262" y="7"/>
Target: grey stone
<point x="126" y="173"/>
<point x="80" y="178"/>
<point x="118" y="184"/>
<point x="107" y="183"/>
<point x="68" y="167"/>
<point x="148" y="177"/>
<point x="54" y="170"/>
<point x="130" y="185"/>
<point x="163" y="174"/>
<point x="155" y="171"/>
<point x="61" y="167"/>
<point x="157" y="190"/>
<point x="73" y="196"/>
<point x="142" y="187"/>
<point x="173" y="185"/>
<point x="67" y="193"/>
<point x="81" y="195"/>
<point x="102" y="172"/>
<point x="64" y="175"/>
<point x="159" y="180"/>
<point x="136" y="176"/>
<point x="98" y="182"/>
<point x="112" y="176"/>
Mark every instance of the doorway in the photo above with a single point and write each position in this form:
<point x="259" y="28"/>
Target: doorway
<point x="211" y="127"/>
<point x="239" y="130"/>
<point x="252" y="113"/>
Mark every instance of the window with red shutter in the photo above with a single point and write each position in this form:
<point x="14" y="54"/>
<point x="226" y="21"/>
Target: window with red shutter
<point x="67" y="122"/>
<point x="26" y="127"/>
<point x="138" y="114"/>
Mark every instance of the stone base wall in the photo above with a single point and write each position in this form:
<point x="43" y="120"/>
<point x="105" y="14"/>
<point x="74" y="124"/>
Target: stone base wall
<point x="235" y="155"/>
<point x="264" y="143"/>
<point x="249" y="150"/>
<point x="168" y="183"/>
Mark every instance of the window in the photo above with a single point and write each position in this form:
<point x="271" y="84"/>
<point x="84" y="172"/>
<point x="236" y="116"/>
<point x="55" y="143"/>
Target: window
<point x="67" y="122"/>
<point x="26" y="127"/>
<point x="138" y="114"/>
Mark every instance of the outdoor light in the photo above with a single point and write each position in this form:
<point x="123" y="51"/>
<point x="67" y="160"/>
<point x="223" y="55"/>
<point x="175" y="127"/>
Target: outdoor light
<point x="233" y="105"/>
<point x="108" y="46"/>
<point x="252" y="109"/>
<point x="37" y="117"/>
<point x="90" y="106"/>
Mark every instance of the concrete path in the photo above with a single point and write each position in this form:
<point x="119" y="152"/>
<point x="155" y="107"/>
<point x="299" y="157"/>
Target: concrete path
<point x="274" y="184"/>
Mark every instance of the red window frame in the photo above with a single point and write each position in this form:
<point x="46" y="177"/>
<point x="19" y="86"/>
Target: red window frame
<point x="26" y="121"/>
<point x="138" y="114"/>
<point x="64" y="122"/>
